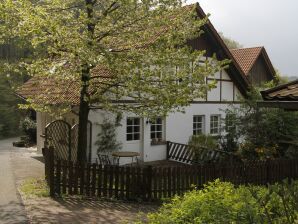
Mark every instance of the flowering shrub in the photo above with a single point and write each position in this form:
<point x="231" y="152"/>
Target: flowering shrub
<point x="222" y="202"/>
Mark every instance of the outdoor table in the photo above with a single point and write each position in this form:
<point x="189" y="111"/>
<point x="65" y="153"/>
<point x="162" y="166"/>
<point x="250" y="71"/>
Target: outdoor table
<point x="126" y="154"/>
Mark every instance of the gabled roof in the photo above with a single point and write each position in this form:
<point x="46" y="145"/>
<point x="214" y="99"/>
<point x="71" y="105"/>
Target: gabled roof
<point x="47" y="90"/>
<point x="285" y="92"/>
<point x="247" y="57"/>
<point x="234" y="70"/>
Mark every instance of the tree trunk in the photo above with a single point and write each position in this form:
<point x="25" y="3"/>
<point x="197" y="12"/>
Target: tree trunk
<point x="84" y="104"/>
<point x="83" y="118"/>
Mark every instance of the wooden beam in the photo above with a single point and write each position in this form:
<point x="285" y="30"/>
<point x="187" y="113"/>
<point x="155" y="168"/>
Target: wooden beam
<point x="287" y="105"/>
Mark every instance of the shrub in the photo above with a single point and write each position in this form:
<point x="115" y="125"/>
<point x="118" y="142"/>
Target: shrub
<point x="222" y="202"/>
<point x="107" y="139"/>
<point x="28" y="126"/>
<point x="261" y="133"/>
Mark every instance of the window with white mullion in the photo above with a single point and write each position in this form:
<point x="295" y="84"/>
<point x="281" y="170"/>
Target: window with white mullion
<point x="133" y="129"/>
<point x="198" y="124"/>
<point x="156" y="129"/>
<point x="214" y="124"/>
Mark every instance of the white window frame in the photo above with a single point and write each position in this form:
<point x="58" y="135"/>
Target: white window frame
<point x="156" y="131"/>
<point x="134" y="129"/>
<point x="196" y="130"/>
<point x="212" y="124"/>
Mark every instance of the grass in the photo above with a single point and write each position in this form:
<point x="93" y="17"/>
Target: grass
<point x="35" y="187"/>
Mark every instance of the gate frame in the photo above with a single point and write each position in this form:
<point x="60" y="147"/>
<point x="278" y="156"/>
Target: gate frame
<point x="69" y="135"/>
<point x="70" y="140"/>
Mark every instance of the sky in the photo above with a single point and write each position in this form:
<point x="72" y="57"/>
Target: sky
<point x="269" y="23"/>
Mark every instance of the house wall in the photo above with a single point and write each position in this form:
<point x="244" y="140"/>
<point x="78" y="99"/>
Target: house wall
<point x="178" y="127"/>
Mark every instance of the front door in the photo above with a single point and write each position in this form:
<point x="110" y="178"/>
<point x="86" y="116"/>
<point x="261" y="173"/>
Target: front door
<point x="134" y="135"/>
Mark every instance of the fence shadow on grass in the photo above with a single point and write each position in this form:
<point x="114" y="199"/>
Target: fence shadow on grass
<point x="76" y="210"/>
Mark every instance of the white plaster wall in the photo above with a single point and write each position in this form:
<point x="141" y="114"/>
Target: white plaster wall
<point x="178" y="128"/>
<point x="227" y="91"/>
<point x="180" y="125"/>
<point x="214" y="94"/>
<point x="97" y="117"/>
<point x="39" y="127"/>
<point x="224" y="75"/>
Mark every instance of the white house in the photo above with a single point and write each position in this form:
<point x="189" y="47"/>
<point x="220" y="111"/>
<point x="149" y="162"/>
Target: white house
<point x="202" y="116"/>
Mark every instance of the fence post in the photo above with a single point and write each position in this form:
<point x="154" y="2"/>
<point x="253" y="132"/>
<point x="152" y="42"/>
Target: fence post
<point x="149" y="182"/>
<point x="168" y="150"/>
<point x="268" y="176"/>
<point x="50" y="170"/>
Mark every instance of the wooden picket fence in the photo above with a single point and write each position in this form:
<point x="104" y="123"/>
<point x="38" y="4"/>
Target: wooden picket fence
<point x="154" y="183"/>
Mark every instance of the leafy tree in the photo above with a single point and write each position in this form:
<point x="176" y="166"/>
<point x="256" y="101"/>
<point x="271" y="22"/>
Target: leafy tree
<point x="262" y="132"/>
<point x="114" y="50"/>
<point x="231" y="44"/>
<point x="11" y="75"/>
<point x="9" y="119"/>
<point x="279" y="79"/>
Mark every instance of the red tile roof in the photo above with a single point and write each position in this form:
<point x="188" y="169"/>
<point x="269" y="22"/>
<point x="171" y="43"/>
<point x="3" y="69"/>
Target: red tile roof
<point x="51" y="91"/>
<point x="246" y="57"/>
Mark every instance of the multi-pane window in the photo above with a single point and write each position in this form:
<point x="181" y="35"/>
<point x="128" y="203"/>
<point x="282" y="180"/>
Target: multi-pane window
<point x="214" y="124"/>
<point x="198" y="124"/>
<point x="133" y="129"/>
<point x="156" y="128"/>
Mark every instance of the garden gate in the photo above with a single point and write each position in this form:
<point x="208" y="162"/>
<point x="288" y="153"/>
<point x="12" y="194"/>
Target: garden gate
<point x="64" y="139"/>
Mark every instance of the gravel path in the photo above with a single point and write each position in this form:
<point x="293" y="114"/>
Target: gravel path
<point x="27" y="164"/>
<point x="11" y="206"/>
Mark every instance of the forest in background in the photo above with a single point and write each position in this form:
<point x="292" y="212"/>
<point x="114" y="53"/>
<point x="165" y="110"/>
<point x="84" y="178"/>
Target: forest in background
<point x="12" y="76"/>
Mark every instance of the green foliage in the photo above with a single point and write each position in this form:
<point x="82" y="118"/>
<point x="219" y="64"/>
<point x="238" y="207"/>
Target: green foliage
<point x="28" y="126"/>
<point x="35" y="188"/>
<point x="9" y="114"/>
<point x="107" y="139"/>
<point x="279" y="79"/>
<point x="263" y="133"/>
<point x="12" y="74"/>
<point x="231" y="44"/>
<point x="206" y="149"/>
<point x="135" y="40"/>
<point x="202" y="141"/>
<point x="221" y="202"/>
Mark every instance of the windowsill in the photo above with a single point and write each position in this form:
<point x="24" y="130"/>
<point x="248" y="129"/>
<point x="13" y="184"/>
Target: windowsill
<point x="158" y="143"/>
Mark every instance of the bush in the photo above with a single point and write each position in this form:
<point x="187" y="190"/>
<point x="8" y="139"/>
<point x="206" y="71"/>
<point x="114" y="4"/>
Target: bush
<point x="261" y="133"/>
<point x="222" y="202"/>
<point x="28" y="126"/>
<point x="202" y="141"/>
